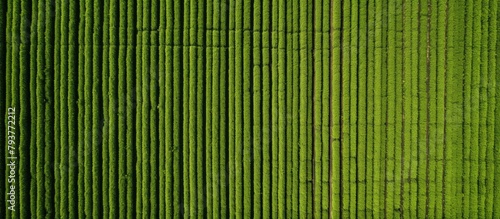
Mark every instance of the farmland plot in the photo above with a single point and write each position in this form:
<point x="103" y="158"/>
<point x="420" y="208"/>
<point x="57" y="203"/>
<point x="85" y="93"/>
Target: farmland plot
<point x="250" y="109"/>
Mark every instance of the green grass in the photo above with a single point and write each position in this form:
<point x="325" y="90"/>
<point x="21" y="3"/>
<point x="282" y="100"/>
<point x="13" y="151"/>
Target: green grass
<point x="229" y="108"/>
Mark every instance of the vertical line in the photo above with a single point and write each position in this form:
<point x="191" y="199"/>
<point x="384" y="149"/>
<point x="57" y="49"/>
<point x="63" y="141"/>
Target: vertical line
<point x="341" y="61"/>
<point x="445" y="110"/>
<point x="403" y="117"/>
<point x="427" y="142"/>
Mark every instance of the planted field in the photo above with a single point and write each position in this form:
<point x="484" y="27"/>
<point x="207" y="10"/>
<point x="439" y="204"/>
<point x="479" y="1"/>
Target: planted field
<point x="250" y="109"/>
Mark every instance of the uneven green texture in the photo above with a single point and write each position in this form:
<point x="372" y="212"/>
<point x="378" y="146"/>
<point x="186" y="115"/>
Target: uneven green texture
<point x="250" y="109"/>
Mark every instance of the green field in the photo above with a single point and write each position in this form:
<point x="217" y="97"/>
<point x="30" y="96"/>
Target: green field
<point x="250" y="109"/>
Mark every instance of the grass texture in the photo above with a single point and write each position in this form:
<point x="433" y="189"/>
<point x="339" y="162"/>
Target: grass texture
<point x="250" y="109"/>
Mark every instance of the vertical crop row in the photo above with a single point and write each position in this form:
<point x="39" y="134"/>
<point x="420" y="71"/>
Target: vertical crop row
<point x="185" y="107"/>
<point x="87" y="106"/>
<point x="105" y="69"/>
<point x="266" y="109"/>
<point x="146" y="107"/>
<point x="223" y="106"/>
<point x="295" y="108"/>
<point x="247" y="84"/>
<point x="200" y="100"/>
<point x="72" y="111"/>
<point x="325" y="109"/>
<point x="177" y="114"/>
<point x="3" y="99"/>
<point x="212" y="110"/>
<point x="23" y="103"/>
<point x="120" y="112"/>
<point x="40" y="208"/>
<point x="113" y="127"/>
<point x="153" y="106"/>
<point x="467" y="133"/>
<point x="492" y="104"/>
<point x="138" y="113"/>
<point x="345" y="104"/>
<point x="423" y="99"/>
<point x="391" y="109"/>
<point x="130" y="108"/>
<point x="361" y="112"/>
<point x="257" y="109"/>
<point x="168" y="175"/>
<point x="289" y="107"/>
<point x="316" y="107"/>
<point x="281" y="107"/>
<point x="162" y="88"/>
<point x="190" y="46"/>
<point x="335" y="107"/>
